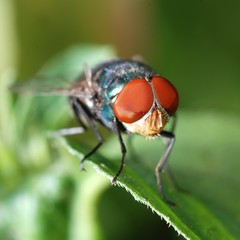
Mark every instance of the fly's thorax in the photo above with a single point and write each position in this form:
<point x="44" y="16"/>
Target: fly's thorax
<point x="116" y="74"/>
<point x="111" y="79"/>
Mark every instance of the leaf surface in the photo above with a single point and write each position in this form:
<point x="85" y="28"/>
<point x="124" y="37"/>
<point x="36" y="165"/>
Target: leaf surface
<point x="204" y="164"/>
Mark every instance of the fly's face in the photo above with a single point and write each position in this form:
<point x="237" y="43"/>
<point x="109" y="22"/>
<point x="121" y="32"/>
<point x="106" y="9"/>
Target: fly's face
<point x="144" y="105"/>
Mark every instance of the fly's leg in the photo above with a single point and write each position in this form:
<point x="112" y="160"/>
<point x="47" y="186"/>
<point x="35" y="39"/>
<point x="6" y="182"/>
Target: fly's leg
<point x="77" y="112"/>
<point x="67" y="131"/>
<point x="161" y="164"/>
<point x="88" y="76"/>
<point x="123" y="150"/>
<point x="170" y="137"/>
<point x="80" y="112"/>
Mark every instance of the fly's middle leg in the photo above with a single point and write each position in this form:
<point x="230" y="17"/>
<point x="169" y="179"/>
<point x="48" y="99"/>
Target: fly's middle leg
<point x="81" y="113"/>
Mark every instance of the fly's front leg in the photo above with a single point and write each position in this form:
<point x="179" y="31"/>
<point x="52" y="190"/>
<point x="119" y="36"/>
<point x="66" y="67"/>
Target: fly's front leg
<point x="67" y="131"/>
<point x="80" y="112"/>
<point x="123" y="149"/>
<point x="170" y="142"/>
<point x="170" y="138"/>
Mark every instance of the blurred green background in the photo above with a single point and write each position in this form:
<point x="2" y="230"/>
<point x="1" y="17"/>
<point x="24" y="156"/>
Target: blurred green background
<point x="194" y="43"/>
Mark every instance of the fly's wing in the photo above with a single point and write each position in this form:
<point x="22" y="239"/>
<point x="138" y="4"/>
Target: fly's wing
<point x="42" y="86"/>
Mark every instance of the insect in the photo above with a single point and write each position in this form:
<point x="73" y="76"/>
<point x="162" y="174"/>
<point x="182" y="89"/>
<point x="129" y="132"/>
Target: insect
<point x="126" y="96"/>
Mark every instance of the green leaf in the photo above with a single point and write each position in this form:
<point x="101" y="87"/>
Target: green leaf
<point x="204" y="163"/>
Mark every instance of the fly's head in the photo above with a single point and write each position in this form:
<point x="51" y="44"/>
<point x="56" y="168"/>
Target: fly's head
<point x="145" y="105"/>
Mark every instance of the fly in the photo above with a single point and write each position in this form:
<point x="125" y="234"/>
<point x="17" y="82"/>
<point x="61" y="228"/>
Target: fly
<point x="126" y="96"/>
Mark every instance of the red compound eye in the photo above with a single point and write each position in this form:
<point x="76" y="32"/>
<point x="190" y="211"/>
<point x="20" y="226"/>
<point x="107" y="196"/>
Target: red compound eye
<point x="134" y="101"/>
<point x="166" y="94"/>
